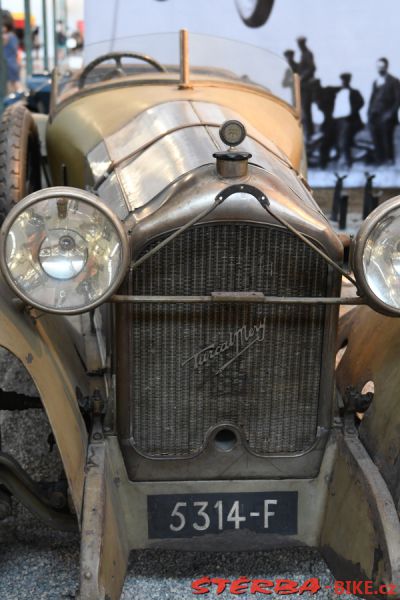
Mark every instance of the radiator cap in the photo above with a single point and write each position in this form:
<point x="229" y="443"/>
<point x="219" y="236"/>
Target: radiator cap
<point x="232" y="164"/>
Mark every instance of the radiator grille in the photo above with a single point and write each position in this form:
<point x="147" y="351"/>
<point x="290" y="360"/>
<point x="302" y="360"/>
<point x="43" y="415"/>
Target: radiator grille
<point x="261" y="370"/>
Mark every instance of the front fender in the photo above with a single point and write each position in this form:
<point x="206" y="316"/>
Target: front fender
<point x="46" y="348"/>
<point x="373" y="354"/>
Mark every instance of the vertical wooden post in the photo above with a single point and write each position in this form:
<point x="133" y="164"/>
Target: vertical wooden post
<point x="297" y="95"/>
<point x="184" y="60"/>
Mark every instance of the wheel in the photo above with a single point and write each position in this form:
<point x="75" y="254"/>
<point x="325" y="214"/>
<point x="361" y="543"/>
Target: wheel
<point x="19" y="157"/>
<point x="254" y="13"/>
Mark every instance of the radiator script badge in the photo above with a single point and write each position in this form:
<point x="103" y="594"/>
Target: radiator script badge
<point x="240" y="340"/>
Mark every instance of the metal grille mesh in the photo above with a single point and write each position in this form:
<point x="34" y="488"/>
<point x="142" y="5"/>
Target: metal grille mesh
<point x="261" y="370"/>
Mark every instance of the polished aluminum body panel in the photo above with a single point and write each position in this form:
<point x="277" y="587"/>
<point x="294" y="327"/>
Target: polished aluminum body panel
<point x="162" y="118"/>
<point x="176" y="153"/>
<point x="178" y="137"/>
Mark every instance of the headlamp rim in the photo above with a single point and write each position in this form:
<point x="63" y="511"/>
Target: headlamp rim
<point x="370" y="223"/>
<point x="73" y="194"/>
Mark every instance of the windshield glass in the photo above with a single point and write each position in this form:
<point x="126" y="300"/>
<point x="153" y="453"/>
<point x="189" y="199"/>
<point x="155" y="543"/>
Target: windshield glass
<point x="209" y="57"/>
<point x="245" y="62"/>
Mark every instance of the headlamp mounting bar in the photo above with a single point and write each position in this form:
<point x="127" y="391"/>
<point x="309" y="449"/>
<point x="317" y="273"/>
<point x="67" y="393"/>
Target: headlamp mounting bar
<point x="229" y="297"/>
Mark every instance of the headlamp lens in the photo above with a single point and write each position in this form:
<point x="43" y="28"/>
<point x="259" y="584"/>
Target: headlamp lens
<point x="63" y="253"/>
<point x="381" y="259"/>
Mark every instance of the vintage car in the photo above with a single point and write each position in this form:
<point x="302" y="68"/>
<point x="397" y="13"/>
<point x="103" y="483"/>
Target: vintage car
<point x="173" y="289"/>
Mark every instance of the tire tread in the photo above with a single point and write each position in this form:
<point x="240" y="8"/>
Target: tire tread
<point x="16" y="126"/>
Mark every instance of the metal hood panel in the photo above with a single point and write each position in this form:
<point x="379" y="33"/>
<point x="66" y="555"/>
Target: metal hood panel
<point x="163" y="163"/>
<point x="169" y="140"/>
<point x="164" y="118"/>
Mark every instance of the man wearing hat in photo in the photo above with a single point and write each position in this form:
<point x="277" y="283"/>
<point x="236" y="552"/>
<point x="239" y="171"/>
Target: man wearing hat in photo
<point x="383" y="112"/>
<point x="306" y="70"/>
<point x="346" y="117"/>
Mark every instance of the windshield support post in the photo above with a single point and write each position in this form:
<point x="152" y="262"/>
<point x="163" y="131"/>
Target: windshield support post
<point x="184" y="83"/>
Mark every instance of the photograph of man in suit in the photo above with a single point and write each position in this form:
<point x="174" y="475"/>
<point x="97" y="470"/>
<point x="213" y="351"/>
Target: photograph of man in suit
<point x="346" y="118"/>
<point x="383" y="113"/>
<point x="341" y="107"/>
<point x="306" y="69"/>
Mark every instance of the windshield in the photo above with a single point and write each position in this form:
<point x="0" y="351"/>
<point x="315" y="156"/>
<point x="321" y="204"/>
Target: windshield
<point x="209" y="56"/>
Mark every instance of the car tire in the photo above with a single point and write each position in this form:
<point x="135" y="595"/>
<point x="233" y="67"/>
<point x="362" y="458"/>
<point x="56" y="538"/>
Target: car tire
<point x="20" y="172"/>
<point x="258" y="16"/>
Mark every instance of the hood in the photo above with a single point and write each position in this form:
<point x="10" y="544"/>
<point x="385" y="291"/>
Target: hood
<point x="167" y="141"/>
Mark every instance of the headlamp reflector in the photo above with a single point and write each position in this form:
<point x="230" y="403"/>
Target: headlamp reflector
<point x="63" y="250"/>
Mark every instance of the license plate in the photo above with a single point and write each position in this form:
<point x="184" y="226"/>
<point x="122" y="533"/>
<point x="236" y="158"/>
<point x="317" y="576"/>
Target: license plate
<point x="188" y="515"/>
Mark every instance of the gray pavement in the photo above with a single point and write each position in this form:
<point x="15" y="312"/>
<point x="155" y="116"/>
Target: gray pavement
<point x="36" y="563"/>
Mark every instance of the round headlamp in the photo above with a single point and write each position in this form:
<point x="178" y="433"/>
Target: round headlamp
<point x="63" y="250"/>
<point x="377" y="257"/>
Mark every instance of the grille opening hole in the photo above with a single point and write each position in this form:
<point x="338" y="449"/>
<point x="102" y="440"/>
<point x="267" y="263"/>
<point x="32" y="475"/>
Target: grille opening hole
<point x="225" y="440"/>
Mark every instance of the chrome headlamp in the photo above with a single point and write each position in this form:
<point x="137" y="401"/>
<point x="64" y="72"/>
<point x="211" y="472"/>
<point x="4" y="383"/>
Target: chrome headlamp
<point x="377" y="257"/>
<point x="63" y="250"/>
